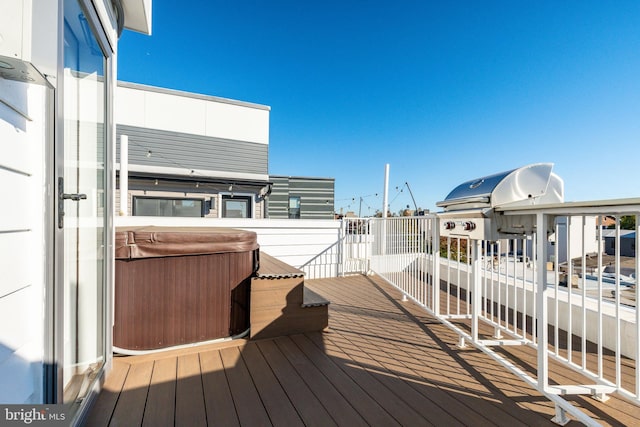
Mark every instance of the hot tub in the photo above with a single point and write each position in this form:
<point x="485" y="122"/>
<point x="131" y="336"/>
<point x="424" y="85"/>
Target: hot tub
<point x="177" y="286"/>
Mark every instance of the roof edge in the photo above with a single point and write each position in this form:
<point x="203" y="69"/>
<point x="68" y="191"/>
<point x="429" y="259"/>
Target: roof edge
<point x="137" y="15"/>
<point x="192" y="95"/>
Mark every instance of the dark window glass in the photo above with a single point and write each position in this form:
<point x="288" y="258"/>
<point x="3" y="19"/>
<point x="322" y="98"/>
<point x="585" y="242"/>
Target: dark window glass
<point x="294" y="207"/>
<point x="153" y="206"/>
<point x="236" y="207"/>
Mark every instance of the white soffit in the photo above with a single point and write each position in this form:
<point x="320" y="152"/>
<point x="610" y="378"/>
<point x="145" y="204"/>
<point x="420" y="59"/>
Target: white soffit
<point x="137" y="15"/>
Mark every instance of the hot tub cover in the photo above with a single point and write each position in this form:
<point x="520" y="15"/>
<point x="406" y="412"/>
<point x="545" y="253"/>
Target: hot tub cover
<point x="152" y="241"/>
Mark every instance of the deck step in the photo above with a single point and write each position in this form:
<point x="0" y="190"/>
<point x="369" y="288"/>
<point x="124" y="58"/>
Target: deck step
<point x="281" y="304"/>
<point x="272" y="268"/>
<point x="312" y="299"/>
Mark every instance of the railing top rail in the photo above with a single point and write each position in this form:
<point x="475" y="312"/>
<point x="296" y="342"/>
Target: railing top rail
<point x="398" y="218"/>
<point x="590" y="207"/>
<point x="612" y="206"/>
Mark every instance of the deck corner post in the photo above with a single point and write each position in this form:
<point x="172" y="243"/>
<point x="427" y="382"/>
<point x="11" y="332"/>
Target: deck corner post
<point x="461" y="342"/>
<point x="476" y="286"/>
<point x="541" y="303"/>
<point x="497" y="333"/>
<point x="342" y="238"/>
<point x="435" y="259"/>
<point x="561" y="416"/>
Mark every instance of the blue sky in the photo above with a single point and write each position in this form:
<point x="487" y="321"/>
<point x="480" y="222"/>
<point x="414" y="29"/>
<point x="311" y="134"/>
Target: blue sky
<point x="441" y="91"/>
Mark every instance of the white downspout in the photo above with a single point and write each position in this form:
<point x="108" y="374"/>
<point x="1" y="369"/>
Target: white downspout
<point x="124" y="175"/>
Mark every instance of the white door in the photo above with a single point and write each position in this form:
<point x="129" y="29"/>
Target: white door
<point x="81" y="189"/>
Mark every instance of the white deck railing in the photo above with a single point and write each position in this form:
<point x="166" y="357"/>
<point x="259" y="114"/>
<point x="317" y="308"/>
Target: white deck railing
<point x="530" y="291"/>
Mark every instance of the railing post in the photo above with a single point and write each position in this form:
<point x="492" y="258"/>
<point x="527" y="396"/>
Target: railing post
<point x="476" y="278"/>
<point x="368" y="245"/>
<point x="343" y="246"/>
<point x="541" y="301"/>
<point x="637" y="295"/>
<point x="435" y="259"/>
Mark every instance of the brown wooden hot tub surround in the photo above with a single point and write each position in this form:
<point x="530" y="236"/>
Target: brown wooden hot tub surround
<point x="177" y="286"/>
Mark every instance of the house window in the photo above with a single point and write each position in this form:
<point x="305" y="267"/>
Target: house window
<point x="155" y="206"/>
<point x="294" y="207"/>
<point x="236" y="206"/>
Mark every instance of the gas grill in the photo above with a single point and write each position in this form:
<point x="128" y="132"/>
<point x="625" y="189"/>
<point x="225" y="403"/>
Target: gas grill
<point x="476" y="209"/>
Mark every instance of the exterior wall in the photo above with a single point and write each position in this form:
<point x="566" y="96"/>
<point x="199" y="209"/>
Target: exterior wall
<point x="569" y="238"/>
<point x="30" y="38"/>
<point x="193" y="145"/>
<point x="627" y="244"/>
<point x="316" y="197"/>
<point x="572" y="235"/>
<point x="178" y="153"/>
<point x="185" y="134"/>
<point x="23" y="155"/>
<point x="214" y="200"/>
<point x="175" y="111"/>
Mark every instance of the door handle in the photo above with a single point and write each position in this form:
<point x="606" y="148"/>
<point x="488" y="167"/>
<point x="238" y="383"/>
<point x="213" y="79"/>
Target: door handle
<point x="62" y="196"/>
<point x="74" y="196"/>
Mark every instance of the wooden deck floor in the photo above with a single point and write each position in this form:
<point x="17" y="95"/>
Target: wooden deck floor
<point x="383" y="362"/>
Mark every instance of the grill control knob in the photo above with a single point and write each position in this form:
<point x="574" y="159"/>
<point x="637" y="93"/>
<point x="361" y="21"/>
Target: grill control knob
<point x="449" y="225"/>
<point x="469" y="226"/>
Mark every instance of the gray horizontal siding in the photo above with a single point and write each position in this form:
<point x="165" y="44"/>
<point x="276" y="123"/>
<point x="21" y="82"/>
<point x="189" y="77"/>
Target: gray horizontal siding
<point x="316" y="197"/>
<point x="187" y="151"/>
<point x="190" y="186"/>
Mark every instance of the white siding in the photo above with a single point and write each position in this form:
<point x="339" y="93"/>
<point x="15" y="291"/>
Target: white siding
<point x="15" y="212"/>
<point x="163" y="109"/>
<point x="237" y="122"/>
<point x="573" y="241"/>
<point x="130" y="107"/>
<point x="176" y="113"/>
<point x="14" y="264"/>
<point x="22" y="248"/>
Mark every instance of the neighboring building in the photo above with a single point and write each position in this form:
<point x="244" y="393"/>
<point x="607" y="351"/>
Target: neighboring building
<point x="203" y="156"/>
<point x="57" y="84"/>
<point x="627" y="242"/>
<point x="191" y="154"/>
<point x="569" y="238"/>
<point x="301" y="197"/>
<point x="567" y="241"/>
<point x="605" y="221"/>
